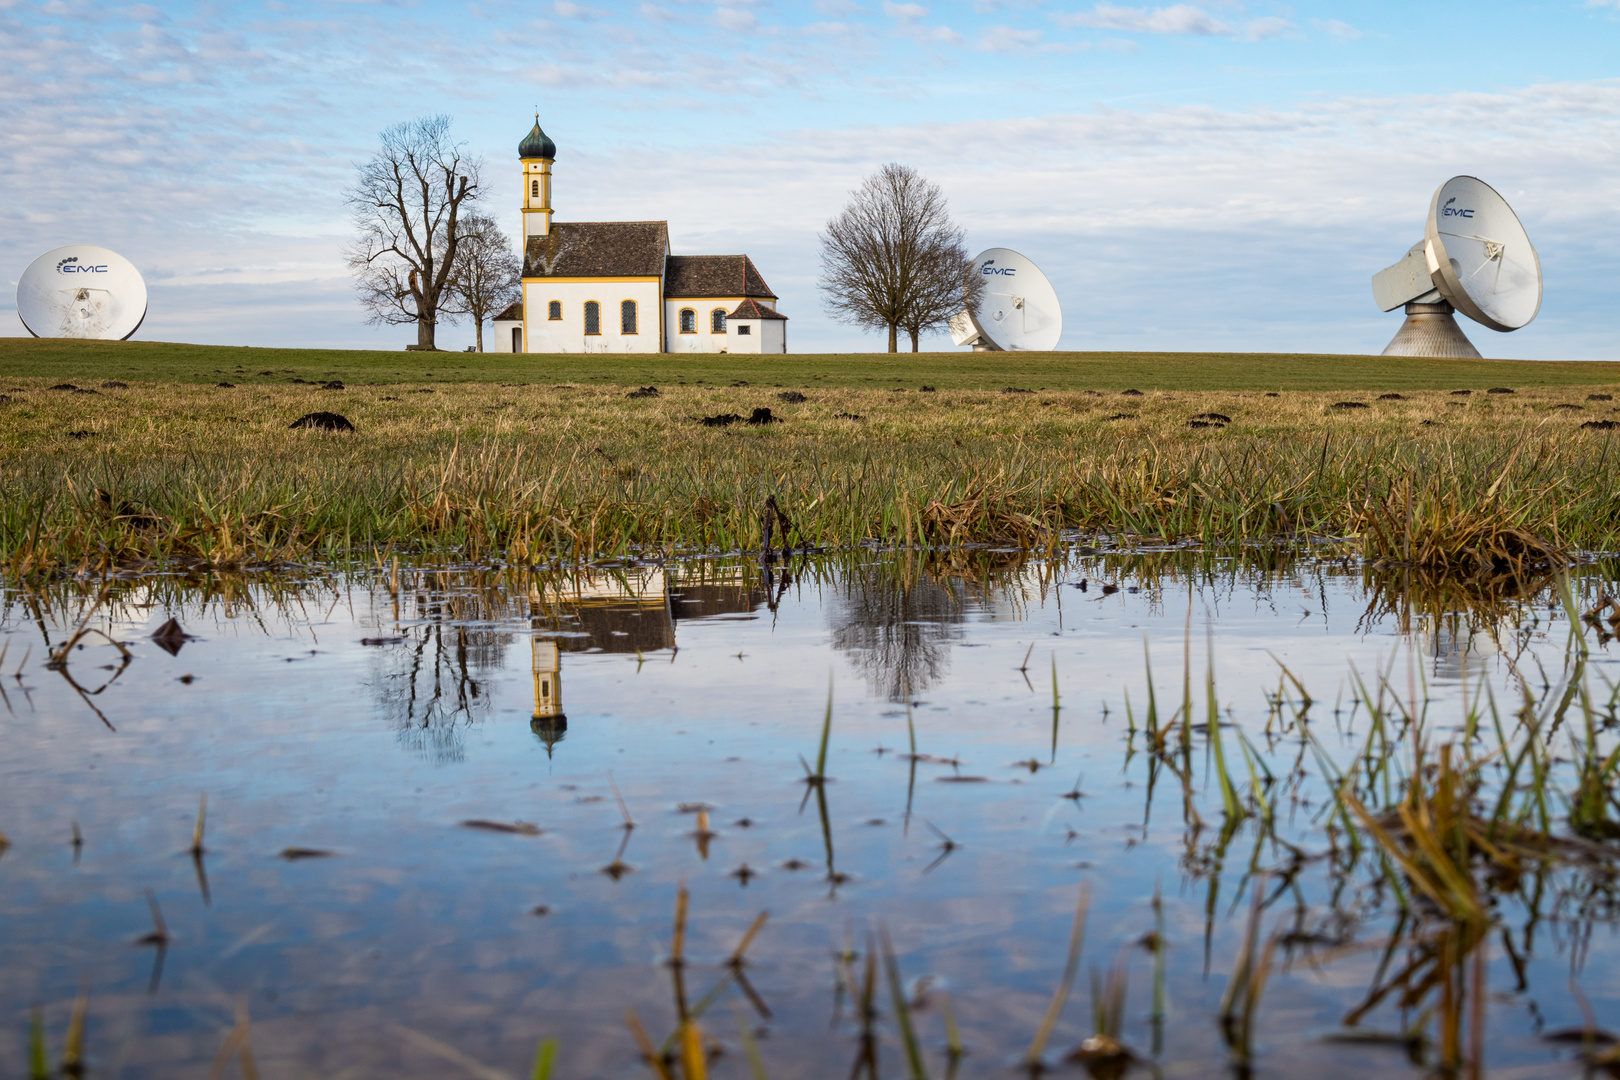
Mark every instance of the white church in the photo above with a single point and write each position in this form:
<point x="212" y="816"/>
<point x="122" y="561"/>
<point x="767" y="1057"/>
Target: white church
<point x="614" y="287"/>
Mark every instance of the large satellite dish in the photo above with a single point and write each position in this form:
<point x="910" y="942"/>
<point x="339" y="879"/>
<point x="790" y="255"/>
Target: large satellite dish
<point x="81" y="291"/>
<point x="1476" y="258"/>
<point x="1019" y="312"/>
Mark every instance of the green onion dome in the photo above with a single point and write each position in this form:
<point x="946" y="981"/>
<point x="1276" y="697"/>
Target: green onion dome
<point x="536" y="144"/>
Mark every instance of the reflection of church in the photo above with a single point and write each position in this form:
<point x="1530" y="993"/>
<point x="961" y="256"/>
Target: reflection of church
<point x="550" y="723"/>
<point x="625" y="611"/>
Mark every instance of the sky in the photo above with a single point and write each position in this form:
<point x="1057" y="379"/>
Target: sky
<point x="1215" y="176"/>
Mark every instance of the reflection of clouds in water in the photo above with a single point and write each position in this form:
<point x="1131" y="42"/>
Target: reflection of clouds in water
<point x="1456" y="647"/>
<point x="897" y="629"/>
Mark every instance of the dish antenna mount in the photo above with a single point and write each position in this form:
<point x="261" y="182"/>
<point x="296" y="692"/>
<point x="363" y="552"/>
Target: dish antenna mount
<point x="1476" y="258"/>
<point x="1019" y="312"/>
<point x="81" y="291"/>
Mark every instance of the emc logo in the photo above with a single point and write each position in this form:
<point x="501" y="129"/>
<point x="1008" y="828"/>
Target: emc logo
<point x="71" y="265"/>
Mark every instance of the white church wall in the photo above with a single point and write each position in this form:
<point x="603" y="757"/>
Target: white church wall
<point x="704" y="340"/>
<point x="743" y="335"/>
<point x="772" y="336"/>
<point x="567" y="335"/>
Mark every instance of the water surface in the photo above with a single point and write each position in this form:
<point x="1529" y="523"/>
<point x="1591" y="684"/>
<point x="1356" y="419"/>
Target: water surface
<point x="366" y="717"/>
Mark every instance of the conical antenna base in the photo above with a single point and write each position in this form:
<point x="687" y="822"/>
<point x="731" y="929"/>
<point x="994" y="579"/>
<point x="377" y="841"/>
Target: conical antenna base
<point x="1431" y="330"/>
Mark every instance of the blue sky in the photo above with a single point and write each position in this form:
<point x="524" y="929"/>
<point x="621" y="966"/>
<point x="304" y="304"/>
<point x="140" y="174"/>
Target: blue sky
<point x="1210" y="176"/>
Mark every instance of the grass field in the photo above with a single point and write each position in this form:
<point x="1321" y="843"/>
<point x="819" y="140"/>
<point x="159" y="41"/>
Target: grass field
<point x="212" y="475"/>
<point x="143" y="361"/>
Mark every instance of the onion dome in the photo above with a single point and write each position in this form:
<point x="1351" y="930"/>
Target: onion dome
<point x="537" y="144"/>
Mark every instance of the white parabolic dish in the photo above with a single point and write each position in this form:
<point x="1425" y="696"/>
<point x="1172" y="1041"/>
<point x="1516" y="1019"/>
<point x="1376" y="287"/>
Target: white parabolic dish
<point x="1480" y="256"/>
<point x="81" y="291"/>
<point x="1020" y="310"/>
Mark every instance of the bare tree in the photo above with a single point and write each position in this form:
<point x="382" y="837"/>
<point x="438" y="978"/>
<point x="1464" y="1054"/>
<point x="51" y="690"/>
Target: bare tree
<point x="893" y="258"/>
<point x="487" y="275"/>
<point x="408" y="205"/>
<point x="946" y="285"/>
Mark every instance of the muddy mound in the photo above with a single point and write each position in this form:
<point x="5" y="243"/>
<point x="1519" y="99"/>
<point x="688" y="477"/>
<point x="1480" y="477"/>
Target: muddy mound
<point x="322" y="421"/>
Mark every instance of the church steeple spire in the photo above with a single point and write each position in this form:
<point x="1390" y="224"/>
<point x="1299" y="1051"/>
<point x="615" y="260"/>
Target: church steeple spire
<point x="537" y="152"/>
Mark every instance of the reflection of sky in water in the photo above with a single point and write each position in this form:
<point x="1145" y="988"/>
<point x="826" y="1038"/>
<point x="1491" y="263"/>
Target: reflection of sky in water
<point x="694" y="684"/>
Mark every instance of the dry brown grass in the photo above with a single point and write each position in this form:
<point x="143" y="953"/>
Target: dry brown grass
<point x="213" y="476"/>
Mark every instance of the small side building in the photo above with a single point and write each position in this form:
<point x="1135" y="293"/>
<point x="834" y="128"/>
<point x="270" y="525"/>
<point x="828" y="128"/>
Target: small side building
<point x="756" y="328"/>
<point x="506" y="333"/>
<point x="703" y="298"/>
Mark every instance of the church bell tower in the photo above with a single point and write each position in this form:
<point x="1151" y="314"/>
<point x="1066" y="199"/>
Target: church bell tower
<point x="537" y="152"/>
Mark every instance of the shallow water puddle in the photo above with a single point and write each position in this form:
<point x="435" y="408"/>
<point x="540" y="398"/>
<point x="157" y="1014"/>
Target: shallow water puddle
<point x="416" y="860"/>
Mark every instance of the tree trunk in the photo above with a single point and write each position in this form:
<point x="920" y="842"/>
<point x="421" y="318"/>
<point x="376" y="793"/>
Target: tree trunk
<point x="913" y="340"/>
<point x="478" y="322"/>
<point x="424" y="335"/>
<point x="894" y="338"/>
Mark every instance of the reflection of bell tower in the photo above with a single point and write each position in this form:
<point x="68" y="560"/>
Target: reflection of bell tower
<point x="549" y="723"/>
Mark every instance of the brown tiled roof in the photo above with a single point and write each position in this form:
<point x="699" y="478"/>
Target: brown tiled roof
<point x="753" y="309"/>
<point x="598" y="249"/>
<point x="513" y="313"/>
<point x="693" y="277"/>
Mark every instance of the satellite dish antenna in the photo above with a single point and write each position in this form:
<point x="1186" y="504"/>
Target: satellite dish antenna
<point x="1476" y="258"/>
<point x="81" y="291"/>
<point x="1020" y="310"/>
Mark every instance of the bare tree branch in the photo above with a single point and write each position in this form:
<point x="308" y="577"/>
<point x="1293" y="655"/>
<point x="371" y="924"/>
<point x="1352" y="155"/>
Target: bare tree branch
<point x="408" y="204"/>
<point x="893" y="259"/>
<point x="486" y="276"/>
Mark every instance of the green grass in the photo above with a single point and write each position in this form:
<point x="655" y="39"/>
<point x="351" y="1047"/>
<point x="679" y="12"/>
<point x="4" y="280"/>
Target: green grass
<point x="534" y="470"/>
<point x="152" y="361"/>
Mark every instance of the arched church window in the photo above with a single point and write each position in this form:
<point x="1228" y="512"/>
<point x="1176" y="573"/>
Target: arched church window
<point x="717" y="321"/>
<point x="627" y="317"/>
<point x="688" y="321"/>
<point x="554" y="311"/>
<point x="593" y="317"/>
<point x="534" y="189"/>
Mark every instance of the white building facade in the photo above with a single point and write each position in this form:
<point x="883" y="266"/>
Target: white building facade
<point x="614" y="286"/>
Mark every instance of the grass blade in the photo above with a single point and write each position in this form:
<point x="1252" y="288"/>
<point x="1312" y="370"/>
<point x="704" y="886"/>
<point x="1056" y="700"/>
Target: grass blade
<point x="1043" y="1034"/>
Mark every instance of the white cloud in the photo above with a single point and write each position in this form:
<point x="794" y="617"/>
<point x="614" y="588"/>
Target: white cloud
<point x="556" y="75"/>
<point x="910" y="17"/>
<point x="1269" y="27"/>
<point x="1179" y="19"/>
<point x="1343" y="30"/>
<point x="567" y="10"/>
<point x="737" y="20"/>
<point x="1005" y="39"/>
